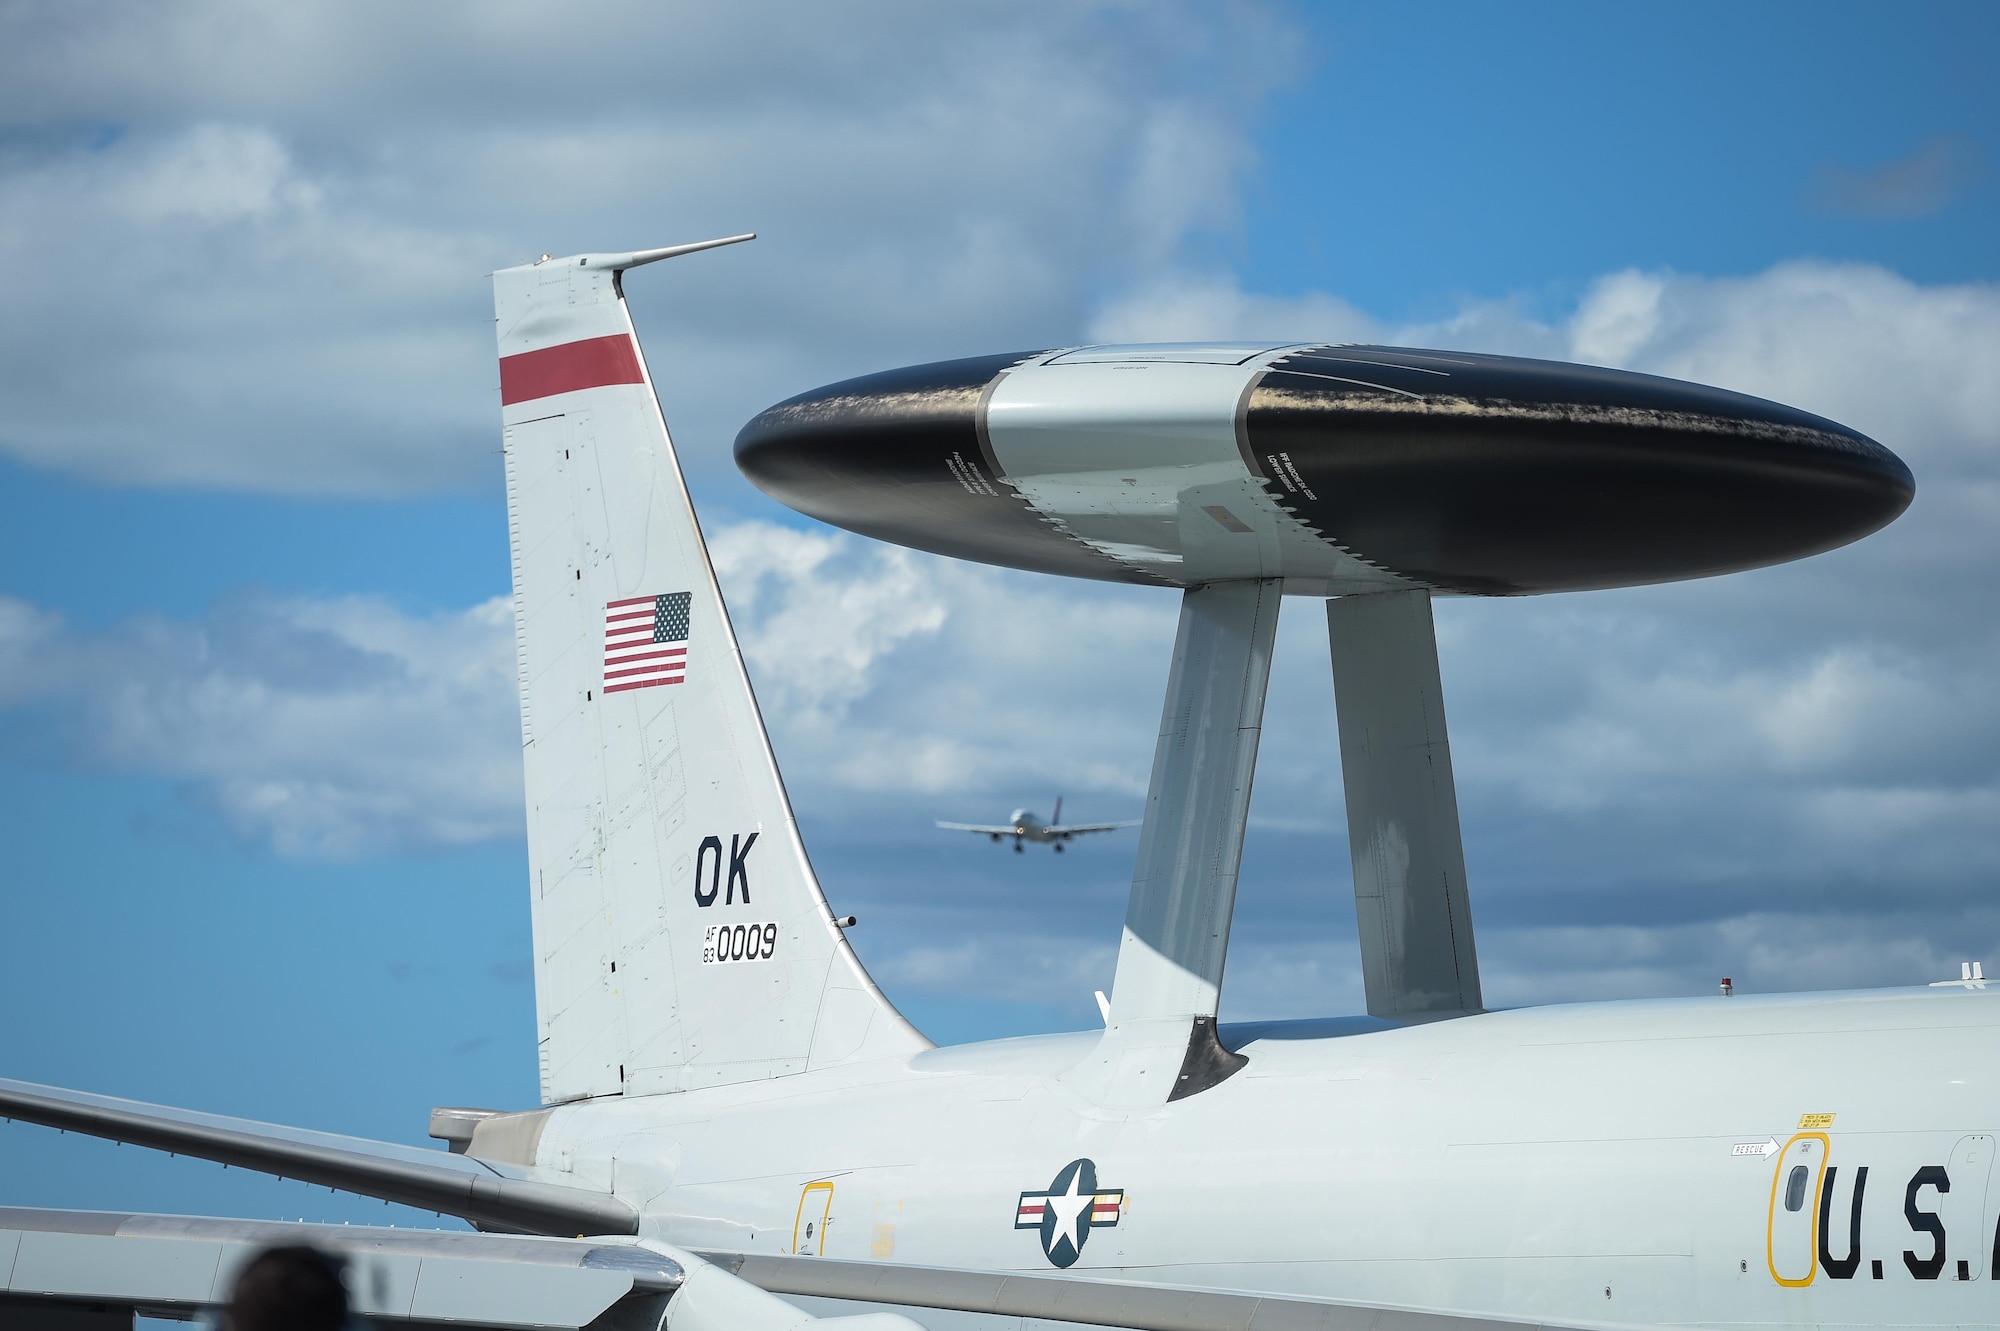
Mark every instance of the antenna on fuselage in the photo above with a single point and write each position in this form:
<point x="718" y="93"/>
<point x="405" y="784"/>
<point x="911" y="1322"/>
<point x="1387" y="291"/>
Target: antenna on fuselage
<point x="1371" y="476"/>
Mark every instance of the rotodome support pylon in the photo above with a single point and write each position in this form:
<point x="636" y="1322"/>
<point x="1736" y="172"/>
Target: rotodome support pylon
<point x="1160" y="1042"/>
<point x="1371" y="475"/>
<point x="1410" y="901"/>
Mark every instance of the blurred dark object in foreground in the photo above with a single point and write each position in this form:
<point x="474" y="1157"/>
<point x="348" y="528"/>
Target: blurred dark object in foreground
<point x="289" y="1289"/>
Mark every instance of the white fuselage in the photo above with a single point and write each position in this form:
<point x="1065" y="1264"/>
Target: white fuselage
<point x="1617" y="1162"/>
<point x="1029" y="826"/>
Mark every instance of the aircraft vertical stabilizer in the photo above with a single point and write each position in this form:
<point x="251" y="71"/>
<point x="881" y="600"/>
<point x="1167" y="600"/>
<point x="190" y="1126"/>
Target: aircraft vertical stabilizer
<point x="681" y="938"/>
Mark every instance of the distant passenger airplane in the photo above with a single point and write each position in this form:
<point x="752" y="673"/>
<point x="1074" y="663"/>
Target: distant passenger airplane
<point x="1025" y="826"/>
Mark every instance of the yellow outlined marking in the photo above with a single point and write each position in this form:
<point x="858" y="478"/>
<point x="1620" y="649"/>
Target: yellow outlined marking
<point x="822" y="1193"/>
<point x="1812" y="1206"/>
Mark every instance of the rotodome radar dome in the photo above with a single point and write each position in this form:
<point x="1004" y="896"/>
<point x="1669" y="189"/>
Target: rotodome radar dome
<point x="1338" y="468"/>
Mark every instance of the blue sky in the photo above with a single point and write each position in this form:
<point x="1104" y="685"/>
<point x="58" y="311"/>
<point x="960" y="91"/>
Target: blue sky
<point x="1525" y="150"/>
<point x="261" y="788"/>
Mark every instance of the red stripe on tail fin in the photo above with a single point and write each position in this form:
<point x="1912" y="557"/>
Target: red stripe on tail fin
<point x="591" y="363"/>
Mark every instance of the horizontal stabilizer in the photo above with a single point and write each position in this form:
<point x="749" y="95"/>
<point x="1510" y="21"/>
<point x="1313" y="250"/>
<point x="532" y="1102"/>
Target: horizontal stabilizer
<point x="491" y="1195"/>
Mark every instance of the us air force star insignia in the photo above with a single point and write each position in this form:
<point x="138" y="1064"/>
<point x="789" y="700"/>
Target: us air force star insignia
<point x="1072" y="1207"/>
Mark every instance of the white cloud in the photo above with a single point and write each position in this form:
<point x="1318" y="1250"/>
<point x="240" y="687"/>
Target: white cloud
<point x="820" y="612"/>
<point x="214" y="174"/>
<point x="1035" y="968"/>
<point x="884" y="671"/>
<point x="344" y="727"/>
<point x="27" y="656"/>
<point x="1620" y="316"/>
<point x="1855" y="342"/>
<point x="1183" y="308"/>
<point x="327" y="728"/>
<point x="245" y="248"/>
<point x="1851" y="341"/>
<point x="191" y="307"/>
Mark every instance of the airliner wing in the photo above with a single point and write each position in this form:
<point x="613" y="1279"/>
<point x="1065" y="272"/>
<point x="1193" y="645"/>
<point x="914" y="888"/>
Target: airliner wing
<point x="509" y="1197"/>
<point x="1007" y="830"/>
<point x="1078" y="829"/>
<point x="180" y="1266"/>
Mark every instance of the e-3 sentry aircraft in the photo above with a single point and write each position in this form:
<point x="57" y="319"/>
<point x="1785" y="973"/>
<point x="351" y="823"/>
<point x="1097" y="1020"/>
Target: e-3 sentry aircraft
<point x="738" y="1131"/>
<point x="1026" y="825"/>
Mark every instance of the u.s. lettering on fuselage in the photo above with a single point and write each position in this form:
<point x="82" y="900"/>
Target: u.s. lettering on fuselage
<point x="1920" y="1245"/>
<point x="736" y="941"/>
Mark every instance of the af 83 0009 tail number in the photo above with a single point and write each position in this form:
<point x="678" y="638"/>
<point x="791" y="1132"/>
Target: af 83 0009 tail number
<point x="750" y="941"/>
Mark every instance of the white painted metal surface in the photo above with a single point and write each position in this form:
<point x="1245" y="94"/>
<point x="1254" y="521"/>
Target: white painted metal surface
<point x="655" y="811"/>
<point x="1411" y="905"/>
<point x="1184" y="886"/>
<point x="1136" y="452"/>
<point x="1157" y="1043"/>
<point x="1509" y="1165"/>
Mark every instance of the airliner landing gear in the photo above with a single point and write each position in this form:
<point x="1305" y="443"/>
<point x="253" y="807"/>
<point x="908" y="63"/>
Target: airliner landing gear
<point x="1017" y="845"/>
<point x="1058" y="847"/>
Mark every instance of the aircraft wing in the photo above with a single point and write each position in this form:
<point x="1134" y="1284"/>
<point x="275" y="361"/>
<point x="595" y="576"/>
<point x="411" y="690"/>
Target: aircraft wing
<point x="1087" y="1300"/>
<point x="495" y="1196"/>
<point x="1078" y="829"/>
<point x="180" y="1266"/>
<point x="1006" y="830"/>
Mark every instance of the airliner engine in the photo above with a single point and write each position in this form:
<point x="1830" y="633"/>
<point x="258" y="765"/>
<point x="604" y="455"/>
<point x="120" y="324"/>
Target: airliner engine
<point x="1340" y="469"/>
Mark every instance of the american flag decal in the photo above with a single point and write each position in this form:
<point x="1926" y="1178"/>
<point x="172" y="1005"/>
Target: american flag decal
<point x="646" y="641"/>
